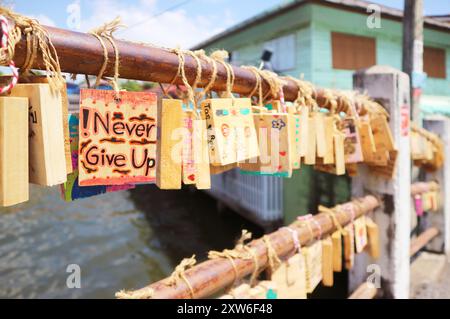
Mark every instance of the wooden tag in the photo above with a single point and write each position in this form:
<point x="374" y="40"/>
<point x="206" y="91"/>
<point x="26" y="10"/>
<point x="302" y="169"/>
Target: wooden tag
<point x="310" y="157"/>
<point x="339" y="153"/>
<point x="313" y="265"/>
<point x="387" y="171"/>
<point x="13" y="151"/>
<point x="201" y="156"/>
<point x="244" y="126"/>
<point x="264" y="290"/>
<point x="221" y="133"/>
<point x="118" y="137"/>
<point x="70" y="190"/>
<point x="382" y="134"/>
<point x="216" y="170"/>
<point x="65" y="114"/>
<point x="327" y="262"/>
<point x="329" y="130"/>
<point x="290" y="278"/>
<point x="168" y="169"/>
<point x="352" y="142"/>
<point x="349" y="246"/>
<point x="367" y="141"/>
<point x="187" y="153"/>
<point x="373" y="237"/>
<point x="47" y="159"/>
<point x="320" y="134"/>
<point x="273" y="138"/>
<point x="360" y="234"/>
<point x="294" y="125"/>
<point x="304" y="131"/>
<point x="336" y="238"/>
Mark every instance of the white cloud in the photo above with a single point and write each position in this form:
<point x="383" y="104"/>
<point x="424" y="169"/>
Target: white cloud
<point x="43" y="19"/>
<point x="170" y="29"/>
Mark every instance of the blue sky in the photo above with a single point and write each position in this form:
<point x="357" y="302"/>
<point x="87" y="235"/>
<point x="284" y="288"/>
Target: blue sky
<point x="186" y="23"/>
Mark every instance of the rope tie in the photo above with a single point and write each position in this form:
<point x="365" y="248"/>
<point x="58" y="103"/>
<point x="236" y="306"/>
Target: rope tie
<point x="23" y="26"/>
<point x="4" y="45"/>
<point x="295" y="240"/>
<point x="201" y="54"/>
<point x="220" y="56"/>
<point x="106" y="31"/>
<point x="332" y="215"/>
<point x="272" y="256"/>
<point x="179" y="273"/>
<point x="144" y="293"/>
<point x="305" y="221"/>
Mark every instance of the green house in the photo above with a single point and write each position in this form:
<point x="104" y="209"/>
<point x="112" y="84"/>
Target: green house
<point x="325" y="42"/>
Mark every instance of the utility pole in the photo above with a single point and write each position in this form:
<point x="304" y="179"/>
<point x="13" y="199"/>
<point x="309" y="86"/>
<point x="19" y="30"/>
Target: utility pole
<point x="413" y="52"/>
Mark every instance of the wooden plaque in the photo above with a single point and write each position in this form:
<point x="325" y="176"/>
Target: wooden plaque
<point x="290" y="278"/>
<point x="118" y="137"/>
<point x="13" y="150"/>
<point x="170" y="124"/>
<point x="47" y="164"/>
<point x="327" y="262"/>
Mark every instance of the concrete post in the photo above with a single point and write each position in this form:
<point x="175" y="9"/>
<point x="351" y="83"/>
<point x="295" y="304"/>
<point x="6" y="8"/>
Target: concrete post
<point x="391" y="88"/>
<point x="440" y="125"/>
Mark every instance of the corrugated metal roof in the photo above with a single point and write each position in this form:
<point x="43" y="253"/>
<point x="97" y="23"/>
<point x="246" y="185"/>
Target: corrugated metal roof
<point x="358" y="5"/>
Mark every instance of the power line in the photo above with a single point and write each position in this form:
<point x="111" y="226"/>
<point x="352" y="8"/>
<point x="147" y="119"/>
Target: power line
<point x="176" y="6"/>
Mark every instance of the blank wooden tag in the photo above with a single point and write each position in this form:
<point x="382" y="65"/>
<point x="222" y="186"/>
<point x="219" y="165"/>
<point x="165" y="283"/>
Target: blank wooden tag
<point x="327" y="262"/>
<point x="313" y="265"/>
<point x="118" y="137"/>
<point x="201" y="156"/>
<point x="310" y="157"/>
<point x="367" y="141"/>
<point x="329" y="130"/>
<point x="13" y="151"/>
<point x="339" y="154"/>
<point x="336" y="238"/>
<point x="216" y="170"/>
<point x="373" y="236"/>
<point x="304" y="131"/>
<point x="349" y="246"/>
<point x="388" y="170"/>
<point x="320" y="134"/>
<point x="168" y="171"/>
<point x="47" y="158"/>
<point x="294" y="125"/>
<point x="187" y="154"/>
<point x="290" y="278"/>
<point x="360" y="234"/>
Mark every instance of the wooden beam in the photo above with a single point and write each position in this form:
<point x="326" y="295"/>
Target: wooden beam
<point x="365" y="291"/>
<point x="211" y="276"/>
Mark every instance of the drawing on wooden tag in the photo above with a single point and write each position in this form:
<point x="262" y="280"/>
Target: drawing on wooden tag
<point x="360" y="234"/>
<point x="47" y="159"/>
<point x="290" y="278"/>
<point x="352" y="142"/>
<point x="313" y="265"/>
<point x="118" y="137"/>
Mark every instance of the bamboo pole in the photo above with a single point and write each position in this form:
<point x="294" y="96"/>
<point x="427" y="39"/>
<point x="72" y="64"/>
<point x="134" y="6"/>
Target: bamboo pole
<point x="82" y="53"/>
<point x="422" y="240"/>
<point x="212" y="276"/>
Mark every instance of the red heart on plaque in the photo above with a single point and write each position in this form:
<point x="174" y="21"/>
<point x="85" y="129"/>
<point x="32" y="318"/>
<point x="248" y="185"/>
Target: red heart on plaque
<point x="280" y="168"/>
<point x="283" y="153"/>
<point x="191" y="177"/>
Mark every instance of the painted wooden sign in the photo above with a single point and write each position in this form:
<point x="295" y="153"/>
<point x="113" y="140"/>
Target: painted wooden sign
<point x="47" y="164"/>
<point x="327" y="262"/>
<point x="71" y="190"/>
<point x="274" y="136"/>
<point x="231" y="130"/>
<point x="118" y="137"/>
<point x="13" y="150"/>
<point x="352" y="142"/>
<point x="360" y="234"/>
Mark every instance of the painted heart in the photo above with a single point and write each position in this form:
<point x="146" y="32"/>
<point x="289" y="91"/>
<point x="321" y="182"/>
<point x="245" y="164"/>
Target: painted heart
<point x="191" y="177"/>
<point x="283" y="153"/>
<point x="280" y="168"/>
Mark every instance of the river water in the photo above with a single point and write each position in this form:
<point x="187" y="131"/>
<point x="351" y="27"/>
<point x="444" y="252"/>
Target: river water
<point x="121" y="240"/>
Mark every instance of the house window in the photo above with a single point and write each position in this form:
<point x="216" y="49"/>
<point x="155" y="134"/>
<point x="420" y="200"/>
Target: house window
<point x="352" y="52"/>
<point x="283" y="49"/>
<point x="434" y="62"/>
